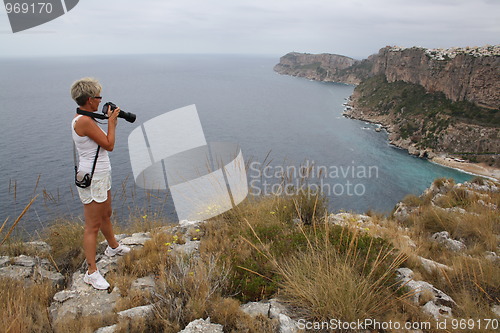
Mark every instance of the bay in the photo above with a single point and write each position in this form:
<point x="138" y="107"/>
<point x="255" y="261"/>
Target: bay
<point x="291" y="121"/>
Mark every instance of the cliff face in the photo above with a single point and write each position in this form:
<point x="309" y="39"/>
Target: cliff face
<point x="319" y="67"/>
<point x="460" y="76"/>
<point x="470" y="74"/>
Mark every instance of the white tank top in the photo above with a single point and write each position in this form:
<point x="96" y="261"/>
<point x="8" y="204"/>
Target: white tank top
<point x="86" y="148"/>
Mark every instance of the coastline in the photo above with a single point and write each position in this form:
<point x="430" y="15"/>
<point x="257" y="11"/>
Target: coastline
<point x="476" y="169"/>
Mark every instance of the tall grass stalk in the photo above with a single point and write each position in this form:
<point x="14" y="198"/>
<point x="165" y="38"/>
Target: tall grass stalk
<point x="17" y="220"/>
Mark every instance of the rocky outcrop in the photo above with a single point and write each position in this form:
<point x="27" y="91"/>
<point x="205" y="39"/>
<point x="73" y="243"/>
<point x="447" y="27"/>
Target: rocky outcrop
<point x="436" y="303"/>
<point x="30" y="269"/>
<point x="319" y="67"/>
<point x="81" y="299"/>
<point x="462" y="74"/>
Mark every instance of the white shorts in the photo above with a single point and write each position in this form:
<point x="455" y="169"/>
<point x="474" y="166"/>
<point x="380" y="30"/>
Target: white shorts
<point x="98" y="189"/>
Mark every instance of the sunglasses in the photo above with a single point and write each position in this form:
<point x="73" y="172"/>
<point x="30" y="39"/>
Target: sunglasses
<point x="98" y="97"/>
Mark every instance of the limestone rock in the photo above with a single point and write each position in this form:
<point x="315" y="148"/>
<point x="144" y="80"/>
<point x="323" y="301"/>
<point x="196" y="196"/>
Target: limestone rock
<point x="188" y="248"/>
<point x="432" y="266"/>
<point x="82" y="300"/>
<point x="202" y="326"/>
<point x="137" y="239"/>
<point x="39" y="246"/>
<point x="272" y="309"/>
<point x="409" y="242"/>
<point x="187" y="223"/>
<point x="4" y="261"/>
<point x="137" y="312"/>
<point x="492" y="256"/>
<point x="56" y="278"/>
<point x="444" y="239"/>
<point x="439" y="306"/>
<point x="320" y="67"/>
<point x="30" y="270"/>
<point x="351" y="220"/>
<point x="16" y="272"/>
<point x="107" y="329"/>
<point x="25" y="261"/>
<point x="496" y="310"/>
<point x="144" y="283"/>
<point x="106" y="264"/>
<point x="437" y="311"/>
<point x="402" y="211"/>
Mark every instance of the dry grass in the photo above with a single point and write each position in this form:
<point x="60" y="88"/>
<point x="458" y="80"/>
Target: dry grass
<point x="479" y="230"/>
<point x="473" y="281"/>
<point x="187" y="288"/>
<point x="83" y="324"/>
<point x="66" y="238"/>
<point x="24" y="307"/>
<point x="348" y="280"/>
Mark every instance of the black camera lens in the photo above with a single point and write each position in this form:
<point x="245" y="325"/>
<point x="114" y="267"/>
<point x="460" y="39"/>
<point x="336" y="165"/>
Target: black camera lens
<point x="128" y="116"/>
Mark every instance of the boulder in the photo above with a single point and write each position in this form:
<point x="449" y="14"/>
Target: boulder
<point x="188" y="248"/>
<point x="439" y="306"/>
<point x="202" y="326"/>
<point x="30" y="270"/>
<point x="107" y="329"/>
<point x="272" y="309"/>
<point x="437" y="311"/>
<point x="432" y="266"/>
<point x="444" y="239"/>
<point x="137" y="312"/>
<point x="137" y="239"/>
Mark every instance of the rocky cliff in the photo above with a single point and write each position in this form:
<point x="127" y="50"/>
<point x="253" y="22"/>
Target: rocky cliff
<point x="319" y="67"/>
<point x="430" y="100"/>
<point x="469" y="74"/>
<point x="428" y="124"/>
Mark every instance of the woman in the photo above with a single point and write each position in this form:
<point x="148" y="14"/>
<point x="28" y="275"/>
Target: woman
<point x="97" y="197"/>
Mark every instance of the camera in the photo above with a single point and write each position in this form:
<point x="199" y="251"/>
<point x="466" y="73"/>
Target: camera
<point x="128" y="116"/>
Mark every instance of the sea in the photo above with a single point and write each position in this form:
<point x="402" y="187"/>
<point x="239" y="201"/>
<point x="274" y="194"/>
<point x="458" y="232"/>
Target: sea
<point x="283" y="124"/>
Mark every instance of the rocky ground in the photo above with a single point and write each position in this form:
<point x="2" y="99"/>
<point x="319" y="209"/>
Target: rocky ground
<point x="75" y="299"/>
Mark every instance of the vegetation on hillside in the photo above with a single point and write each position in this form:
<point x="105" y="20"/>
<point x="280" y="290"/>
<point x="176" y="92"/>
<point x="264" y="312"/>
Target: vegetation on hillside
<point x="288" y="247"/>
<point x="411" y="100"/>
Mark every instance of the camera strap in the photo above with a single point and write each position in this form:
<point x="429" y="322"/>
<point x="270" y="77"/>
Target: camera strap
<point x="91" y="114"/>
<point x="95" y="160"/>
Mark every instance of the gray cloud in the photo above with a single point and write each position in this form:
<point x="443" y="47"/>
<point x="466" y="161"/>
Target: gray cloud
<point x="356" y="28"/>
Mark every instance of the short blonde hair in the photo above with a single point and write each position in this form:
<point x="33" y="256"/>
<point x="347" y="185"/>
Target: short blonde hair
<point x="84" y="88"/>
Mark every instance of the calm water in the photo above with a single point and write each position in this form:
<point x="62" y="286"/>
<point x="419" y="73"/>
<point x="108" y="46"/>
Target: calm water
<point x="239" y="99"/>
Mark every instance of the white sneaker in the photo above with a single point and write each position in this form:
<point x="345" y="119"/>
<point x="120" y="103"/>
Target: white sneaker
<point x="120" y="250"/>
<point x="96" y="280"/>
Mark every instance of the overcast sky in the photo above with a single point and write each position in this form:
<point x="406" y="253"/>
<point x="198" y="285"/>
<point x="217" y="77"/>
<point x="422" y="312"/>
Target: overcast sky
<point x="355" y="28"/>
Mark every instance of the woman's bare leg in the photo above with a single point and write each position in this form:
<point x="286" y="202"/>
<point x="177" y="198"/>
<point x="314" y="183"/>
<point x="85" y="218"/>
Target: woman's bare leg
<point x="106" y="227"/>
<point x="93" y="222"/>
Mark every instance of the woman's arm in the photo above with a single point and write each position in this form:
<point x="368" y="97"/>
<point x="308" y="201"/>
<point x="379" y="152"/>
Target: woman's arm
<point x="85" y="126"/>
